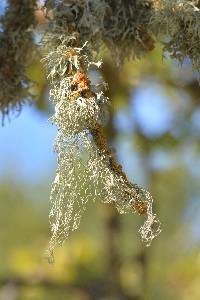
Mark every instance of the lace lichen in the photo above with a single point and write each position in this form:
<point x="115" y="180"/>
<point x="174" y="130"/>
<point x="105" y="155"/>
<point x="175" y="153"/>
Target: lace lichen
<point x="86" y="166"/>
<point x="16" y="40"/>
<point x="76" y="33"/>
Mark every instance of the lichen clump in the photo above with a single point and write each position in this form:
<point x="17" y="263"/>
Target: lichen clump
<point x="16" y="43"/>
<point x="127" y="28"/>
<point x="177" y="24"/>
<point x="121" y="26"/>
<point x="87" y="168"/>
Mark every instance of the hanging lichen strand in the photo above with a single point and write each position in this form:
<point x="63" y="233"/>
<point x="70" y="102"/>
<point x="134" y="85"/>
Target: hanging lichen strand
<point x="16" y="41"/>
<point x="87" y="169"/>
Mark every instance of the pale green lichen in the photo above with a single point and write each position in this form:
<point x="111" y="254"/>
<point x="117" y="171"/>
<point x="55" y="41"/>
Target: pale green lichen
<point x="76" y="33"/>
<point x="86" y="169"/>
<point x="127" y="28"/>
<point x="121" y="26"/>
<point x="177" y="24"/>
<point x="16" y="43"/>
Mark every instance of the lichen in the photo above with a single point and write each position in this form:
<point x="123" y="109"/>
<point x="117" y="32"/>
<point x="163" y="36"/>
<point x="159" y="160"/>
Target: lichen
<point x="87" y="168"/>
<point x="119" y="25"/>
<point x="177" y="24"/>
<point x="16" y="43"/>
<point x="127" y="28"/>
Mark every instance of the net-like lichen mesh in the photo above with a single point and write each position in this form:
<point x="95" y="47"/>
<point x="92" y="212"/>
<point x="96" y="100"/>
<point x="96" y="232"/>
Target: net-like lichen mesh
<point x="87" y="169"/>
<point x="86" y="166"/>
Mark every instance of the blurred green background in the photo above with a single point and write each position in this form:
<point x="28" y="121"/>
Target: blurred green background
<point x="154" y="128"/>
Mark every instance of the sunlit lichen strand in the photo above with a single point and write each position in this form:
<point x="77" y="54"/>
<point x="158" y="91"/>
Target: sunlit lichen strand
<point x="87" y="169"/>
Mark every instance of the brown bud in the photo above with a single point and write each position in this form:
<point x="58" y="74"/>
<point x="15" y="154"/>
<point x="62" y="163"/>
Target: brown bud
<point x="140" y="207"/>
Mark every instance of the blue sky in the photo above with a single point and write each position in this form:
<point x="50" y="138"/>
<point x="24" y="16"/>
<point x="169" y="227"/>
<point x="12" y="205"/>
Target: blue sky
<point x="2" y="5"/>
<point x="26" y="146"/>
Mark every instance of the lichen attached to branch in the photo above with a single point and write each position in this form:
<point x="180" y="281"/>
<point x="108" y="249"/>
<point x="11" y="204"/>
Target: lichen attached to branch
<point x="87" y="168"/>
